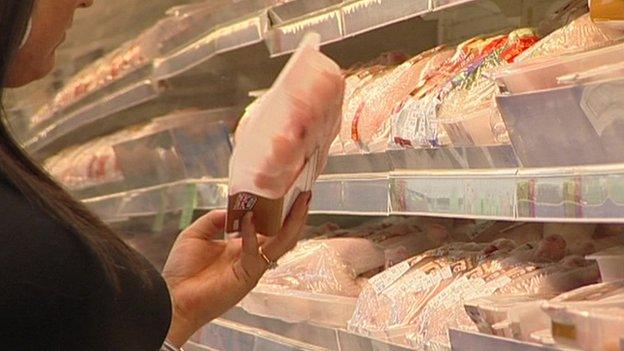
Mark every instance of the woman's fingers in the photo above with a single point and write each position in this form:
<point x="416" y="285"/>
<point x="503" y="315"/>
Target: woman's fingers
<point x="250" y="266"/>
<point x="207" y="227"/>
<point x="287" y="238"/>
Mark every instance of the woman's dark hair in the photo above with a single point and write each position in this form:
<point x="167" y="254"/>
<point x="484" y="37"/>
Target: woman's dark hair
<point x="38" y="187"/>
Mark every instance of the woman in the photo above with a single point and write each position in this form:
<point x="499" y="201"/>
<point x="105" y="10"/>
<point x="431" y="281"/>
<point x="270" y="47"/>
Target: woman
<point x="68" y="281"/>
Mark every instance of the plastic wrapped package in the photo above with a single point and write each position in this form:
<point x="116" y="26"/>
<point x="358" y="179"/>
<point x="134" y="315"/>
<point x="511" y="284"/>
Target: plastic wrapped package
<point x="544" y="73"/>
<point x="92" y="164"/>
<point x="329" y="266"/>
<point x="294" y="128"/>
<point x="357" y="81"/>
<point x="113" y="66"/>
<point x="514" y="273"/>
<point x="466" y="110"/>
<point x="580" y="35"/>
<point x="415" y="124"/>
<point x="392" y="299"/>
<point x="358" y="87"/>
<point x="369" y="127"/>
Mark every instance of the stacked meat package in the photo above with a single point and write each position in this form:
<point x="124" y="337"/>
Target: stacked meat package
<point x="408" y="280"/>
<point x="446" y="96"/>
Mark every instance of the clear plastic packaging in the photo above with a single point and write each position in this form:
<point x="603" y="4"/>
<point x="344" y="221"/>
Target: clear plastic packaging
<point x="369" y="127"/>
<point x="580" y="35"/>
<point x="389" y="304"/>
<point x="540" y="74"/>
<point x="328" y="266"/>
<point x="417" y="124"/>
<point x="611" y="263"/>
<point x="466" y="110"/>
<point x="292" y="127"/>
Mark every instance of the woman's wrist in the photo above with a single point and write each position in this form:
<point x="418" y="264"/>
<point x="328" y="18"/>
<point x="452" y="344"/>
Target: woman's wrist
<point x="180" y="329"/>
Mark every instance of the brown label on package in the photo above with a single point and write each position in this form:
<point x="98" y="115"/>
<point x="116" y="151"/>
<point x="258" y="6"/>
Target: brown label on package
<point x="267" y="213"/>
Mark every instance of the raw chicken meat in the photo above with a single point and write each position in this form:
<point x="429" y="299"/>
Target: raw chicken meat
<point x="368" y="128"/>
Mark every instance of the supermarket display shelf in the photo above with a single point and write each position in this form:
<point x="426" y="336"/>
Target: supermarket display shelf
<point x="472" y="341"/>
<point x="51" y="138"/>
<point x="169" y="83"/>
<point x="238" y="328"/>
<point x="338" y="20"/>
<point x="251" y="31"/>
<point x="576" y="194"/>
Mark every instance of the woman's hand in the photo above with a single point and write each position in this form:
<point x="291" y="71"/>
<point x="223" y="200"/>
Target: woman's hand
<point x="206" y="277"/>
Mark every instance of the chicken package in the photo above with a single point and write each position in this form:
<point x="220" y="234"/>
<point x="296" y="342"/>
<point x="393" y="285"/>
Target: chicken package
<point x="392" y="299"/>
<point x="527" y="270"/>
<point x="580" y="35"/>
<point x="356" y="83"/>
<point x="327" y="266"/>
<point x="466" y="110"/>
<point x="369" y="127"/>
<point x="93" y="163"/>
<point x="414" y="124"/>
<point x="357" y="89"/>
<point x="283" y="144"/>
<point x="579" y="45"/>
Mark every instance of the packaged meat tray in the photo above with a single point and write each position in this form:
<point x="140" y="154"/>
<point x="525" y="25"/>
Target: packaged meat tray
<point x="466" y="111"/>
<point x="185" y="144"/>
<point x="541" y="74"/>
<point x="294" y="128"/>
<point x="579" y="35"/>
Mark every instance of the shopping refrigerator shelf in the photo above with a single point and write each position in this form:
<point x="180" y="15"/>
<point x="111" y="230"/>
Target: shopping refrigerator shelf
<point x="53" y="137"/>
<point x="171" y="83"/>
<point x="472" y="341"/>
<point x="234" y="325"/>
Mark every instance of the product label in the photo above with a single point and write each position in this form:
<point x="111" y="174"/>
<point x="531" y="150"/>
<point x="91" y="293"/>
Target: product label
<point x="381" y="281"/>
<point x="267" y="213"/>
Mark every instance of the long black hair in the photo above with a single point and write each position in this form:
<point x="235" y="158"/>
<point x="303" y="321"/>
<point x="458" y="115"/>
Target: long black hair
<point x="36" y="184"/>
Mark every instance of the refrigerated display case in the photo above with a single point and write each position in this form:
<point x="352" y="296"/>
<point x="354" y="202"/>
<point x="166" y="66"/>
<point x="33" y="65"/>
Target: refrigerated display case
<point x="476" y="178"/>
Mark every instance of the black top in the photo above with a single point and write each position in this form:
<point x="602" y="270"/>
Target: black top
<point x="53" y="293"/>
